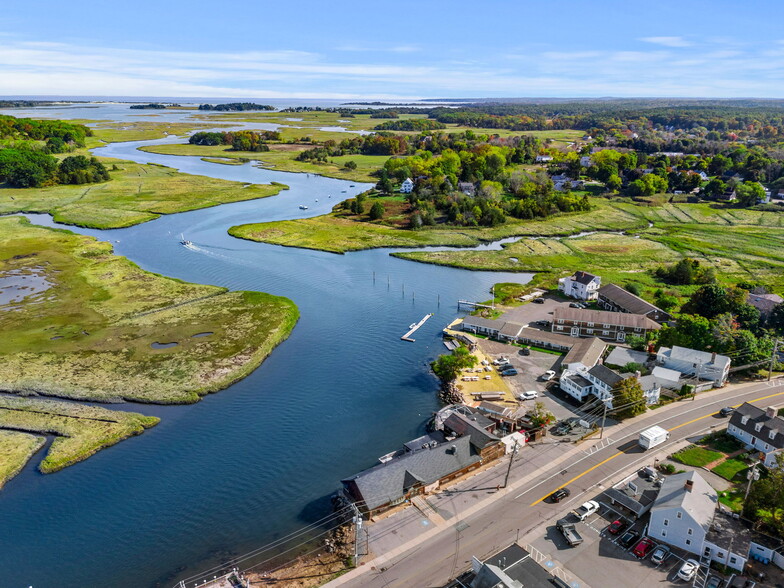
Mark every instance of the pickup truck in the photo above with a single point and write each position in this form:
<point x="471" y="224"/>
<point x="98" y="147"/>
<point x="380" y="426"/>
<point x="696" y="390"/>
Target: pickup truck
<point x="569" y="532"/>
<point x="586" y="509"/>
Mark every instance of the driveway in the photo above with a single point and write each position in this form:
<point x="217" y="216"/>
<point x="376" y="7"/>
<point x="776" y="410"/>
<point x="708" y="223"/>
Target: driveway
<point x="531" y="312"/>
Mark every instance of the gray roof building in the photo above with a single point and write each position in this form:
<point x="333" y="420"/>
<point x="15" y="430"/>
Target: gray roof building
<point x="585" y="351"/>
<point x="698" y="498"/>
<point x="765" y="303"/>
<point x="512" y="567"/>
<point x="605" y="374"/>
<point x="614" y="297"/>
<point x="474" y="427"/>
<point x="601" y="317"/>
<point x="763" y="424"/>
<point x="388" y="482"/>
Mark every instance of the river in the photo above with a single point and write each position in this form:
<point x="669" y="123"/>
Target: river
<point x="252" y="463"/>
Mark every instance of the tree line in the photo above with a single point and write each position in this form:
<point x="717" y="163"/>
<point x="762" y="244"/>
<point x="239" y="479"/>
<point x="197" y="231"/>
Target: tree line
<point x="239" y="140"/>
<point x="236" y="106"/>
<point x="35" y="169"/>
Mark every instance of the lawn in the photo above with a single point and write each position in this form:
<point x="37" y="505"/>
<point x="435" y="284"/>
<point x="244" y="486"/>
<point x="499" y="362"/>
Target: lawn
<point x="89" y="335"/>
<point x="696" y="456"/>
<point x="732" y="499"/>
<point x="730" y="469"/>
<point x="136" y="193"/>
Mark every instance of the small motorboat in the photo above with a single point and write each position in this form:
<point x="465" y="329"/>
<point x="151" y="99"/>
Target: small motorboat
<point x="184" y="242"/>
<point x="303" y="207"/>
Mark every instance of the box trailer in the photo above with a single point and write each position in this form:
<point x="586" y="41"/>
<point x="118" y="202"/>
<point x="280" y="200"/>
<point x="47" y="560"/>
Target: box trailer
<point x="653" y="437"/>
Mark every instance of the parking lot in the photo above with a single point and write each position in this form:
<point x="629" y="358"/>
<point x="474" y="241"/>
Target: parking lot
<point x="601" y="560"/>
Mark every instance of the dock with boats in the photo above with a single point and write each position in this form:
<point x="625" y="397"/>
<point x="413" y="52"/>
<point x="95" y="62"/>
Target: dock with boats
<point x="413" y="328"/>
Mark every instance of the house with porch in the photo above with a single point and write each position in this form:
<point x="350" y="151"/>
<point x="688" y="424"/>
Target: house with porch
<point x="581" y="285"/>
<point x="759" y="430"/>
<point x="599" y="382"/>
<point x="701" y="365"/>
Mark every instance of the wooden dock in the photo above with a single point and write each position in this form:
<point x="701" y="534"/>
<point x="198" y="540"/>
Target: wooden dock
<point x="414" y="327"/>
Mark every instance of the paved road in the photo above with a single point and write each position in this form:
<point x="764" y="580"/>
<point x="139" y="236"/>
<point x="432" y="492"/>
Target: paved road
<point x="431" y="557"/>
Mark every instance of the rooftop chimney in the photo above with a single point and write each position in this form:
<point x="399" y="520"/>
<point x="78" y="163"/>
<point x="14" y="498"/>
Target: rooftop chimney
<point x="770" y="412"/>
<point x="689" y="485"/>
<point x="713" y="357"/>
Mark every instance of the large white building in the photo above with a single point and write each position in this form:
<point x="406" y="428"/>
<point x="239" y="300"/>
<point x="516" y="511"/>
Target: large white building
<point x="759" y="430"/>
<point x="699" y="364"/>
<point x="407" y="186"/>
<point x="599" y="382"/>
<point x="581" y="285"/>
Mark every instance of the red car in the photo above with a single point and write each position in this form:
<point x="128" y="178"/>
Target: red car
<point x="643" y="548"/>
<point x="616" y="527"/>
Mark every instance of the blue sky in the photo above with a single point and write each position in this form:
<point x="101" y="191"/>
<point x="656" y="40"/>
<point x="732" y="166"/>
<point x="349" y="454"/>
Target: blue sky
<point x="401" y="49"/>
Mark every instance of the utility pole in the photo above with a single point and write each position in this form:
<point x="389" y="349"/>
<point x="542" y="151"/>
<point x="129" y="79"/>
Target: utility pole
<point x="492" y="302"/>
<point x="511" y="459"/>
<point x="604" y="418"/>
<point x="752" y="475"/>
<point x="772" y="359"/>
<point x="357" y="529"/>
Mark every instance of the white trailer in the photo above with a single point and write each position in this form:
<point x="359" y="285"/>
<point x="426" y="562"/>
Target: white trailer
<point x="653" y="437"/>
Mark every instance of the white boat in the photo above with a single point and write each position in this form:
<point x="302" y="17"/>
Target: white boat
<point x="303" y="207"/>
<point x="184" y="241"/>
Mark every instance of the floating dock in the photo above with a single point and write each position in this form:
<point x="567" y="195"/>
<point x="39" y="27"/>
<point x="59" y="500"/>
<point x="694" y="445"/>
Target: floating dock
<point x="414" y="327"/>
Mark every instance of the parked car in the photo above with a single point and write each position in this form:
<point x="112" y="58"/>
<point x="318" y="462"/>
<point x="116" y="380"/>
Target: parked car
<point x="726" y="411"/>
<point x="586" y="509"/>
<point x="548" y="375"/>
<point x="616" y="526"/>
<point x="563" y="428"/>
<point x="688" y="570"/>
<point x="529" y="395"/>
<point x="643" y="548"/>
<point x="501" y="360"/>
<point x="660" y="554"/>
<point x="538" y="300"/>
<point x="574" y="305"/>
<point x="509" y="372"/>
<point x="714" y="582"/>
<point x="559" y="495"/>
<point x="628" y="538"/>
<point x="525" y="351"/>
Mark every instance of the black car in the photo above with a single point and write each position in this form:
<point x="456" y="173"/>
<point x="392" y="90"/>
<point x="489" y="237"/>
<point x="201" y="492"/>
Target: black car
<point x="525" y="351"/>
<point x="563" y="428"/>
<point x="726" y="411"/>
<point x="538" y="300"/>
<point x="628" y="538"/>
<point x="559" y="495"/>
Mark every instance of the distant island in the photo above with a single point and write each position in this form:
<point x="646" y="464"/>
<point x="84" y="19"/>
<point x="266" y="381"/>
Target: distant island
<point x="153" y="106"/>
<point x="236" y="106"/>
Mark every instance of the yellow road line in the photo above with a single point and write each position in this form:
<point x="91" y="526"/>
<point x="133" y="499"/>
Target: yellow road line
<point x="601" y="463"/>
<point x="621" y="453"/>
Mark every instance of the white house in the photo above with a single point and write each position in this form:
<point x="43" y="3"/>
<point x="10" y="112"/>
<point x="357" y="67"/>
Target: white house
<point x="759" y="430"/>
<point x="700" y="364"/>
<point x="586" y="161"/>
<point x="581" y="285"/>
<point x="599" y="381"/>
<point x="683" y="512"/>
<point x="407" y="186"/>
<point x="543" y="158"/>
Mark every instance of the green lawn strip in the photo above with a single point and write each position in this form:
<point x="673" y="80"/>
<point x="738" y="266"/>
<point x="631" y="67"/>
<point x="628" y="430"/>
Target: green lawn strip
<point x="732" y="499"/>
<point x="730" y="468"/>
<point x="696" y="456"/>
<point x="136" y="193"/>
<point x="89" y="336"/>
<point x="16" y="449"/>
<point x="81" y="430"/>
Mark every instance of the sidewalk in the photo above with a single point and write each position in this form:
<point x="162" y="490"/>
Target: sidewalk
<point x="473" y="502"/>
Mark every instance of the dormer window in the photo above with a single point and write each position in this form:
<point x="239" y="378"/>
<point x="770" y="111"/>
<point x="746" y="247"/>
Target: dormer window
<point x="744" y="420"/>
<point x="772" y="435"/>
<point x="758" y="427"/>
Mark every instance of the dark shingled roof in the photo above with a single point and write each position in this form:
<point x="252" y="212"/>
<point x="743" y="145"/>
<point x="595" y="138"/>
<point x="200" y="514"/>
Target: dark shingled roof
<point x="389" y="481"/>
<point x="585" y="351"/>
<point x="605" y="374"/>
<point x="600" y="317"/>
<point x="583" y="277"/>
<point x="472" y="427"/>
<point x="757" y="415"/>
<point x="626" y="300"/>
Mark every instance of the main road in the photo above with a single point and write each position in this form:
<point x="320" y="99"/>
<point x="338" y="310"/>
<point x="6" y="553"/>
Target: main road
<point x="478" y="527"/>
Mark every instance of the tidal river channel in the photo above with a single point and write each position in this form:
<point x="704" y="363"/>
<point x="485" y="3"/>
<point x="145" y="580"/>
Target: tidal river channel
<point x="259" y="460"/>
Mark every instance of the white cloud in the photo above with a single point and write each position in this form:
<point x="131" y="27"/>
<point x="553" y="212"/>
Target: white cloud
<point x="668" y="41"/>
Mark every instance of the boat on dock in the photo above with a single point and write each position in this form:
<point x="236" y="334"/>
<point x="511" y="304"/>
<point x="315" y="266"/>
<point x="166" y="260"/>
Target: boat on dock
<point x="412" y="328"/>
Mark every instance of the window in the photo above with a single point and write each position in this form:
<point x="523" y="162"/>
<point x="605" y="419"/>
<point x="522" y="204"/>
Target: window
<point x="707" y="551"/>
<point x="733" y="559"/>
<point x="758" y="427"/>
<point x="590" y="331"/>
<point x="560" y="328"/>
<point x="560" y="321"/>
<point x="690" y="532"/>
<point x="666" y="522"/>
<point x="688" y="541"/>
<point x="606" y="326"/>
<point x="605" y="333"/>
<point x="590" y="324"/>
<point x="679" y="515"/>
<point x="767" y="447"/>
<point x="744" y="420"/>
<point x="720" y="555"/>
<point x="772" y="435"/>
<point x="637" y="329"/>
<point x="664" y="533"/>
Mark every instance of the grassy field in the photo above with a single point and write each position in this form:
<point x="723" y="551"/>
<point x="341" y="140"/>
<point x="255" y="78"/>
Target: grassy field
<point x="136" y="193"/>
<point x="80" y="431"/>
<point x="730" y="468"/>
<point x="16" y="449"/>
<point x="89" y="335"/>
<point x="117" y="131"/>
<point x="282" y="158"/>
